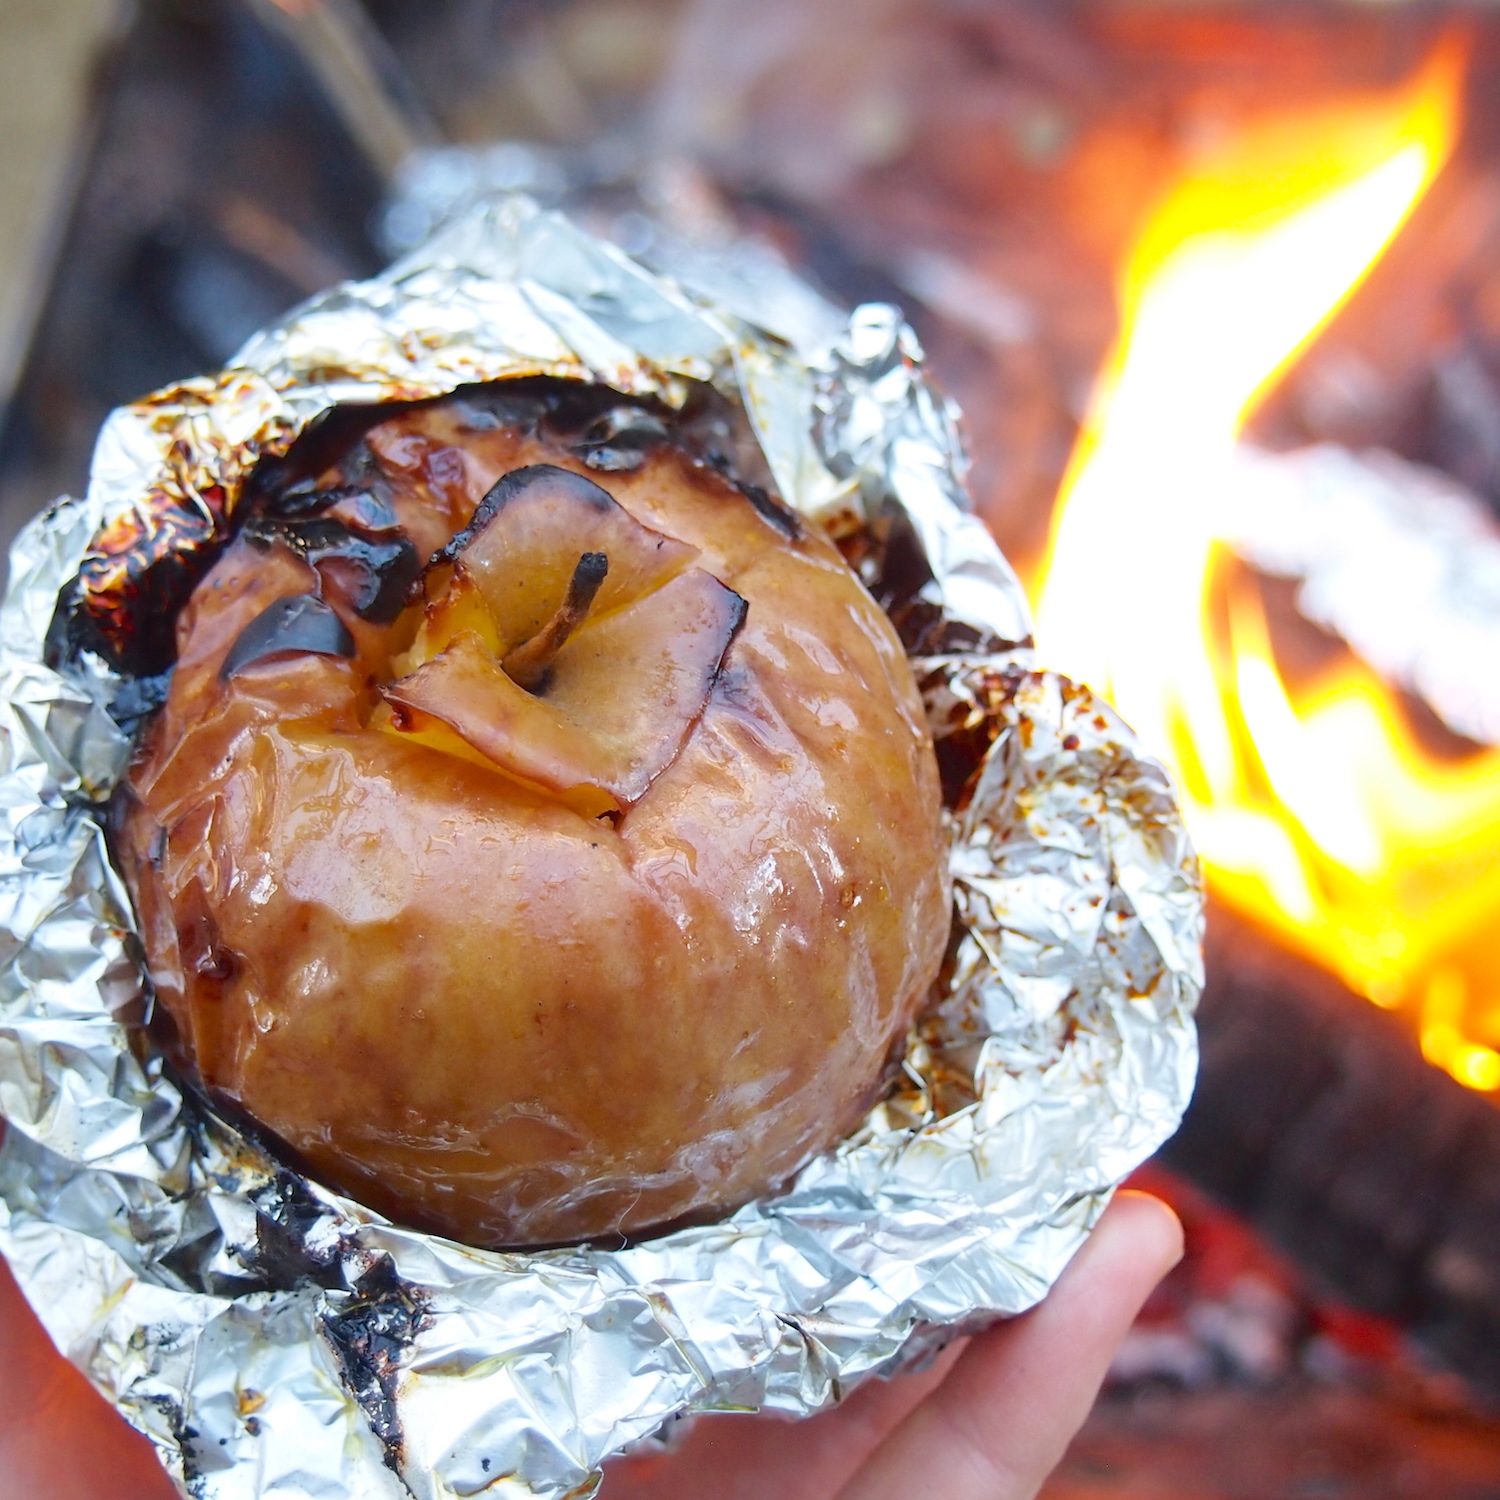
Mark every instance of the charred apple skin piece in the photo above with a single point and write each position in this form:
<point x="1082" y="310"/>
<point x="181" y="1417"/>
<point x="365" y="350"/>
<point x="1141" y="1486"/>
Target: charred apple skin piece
<point x="474" y="1002"/>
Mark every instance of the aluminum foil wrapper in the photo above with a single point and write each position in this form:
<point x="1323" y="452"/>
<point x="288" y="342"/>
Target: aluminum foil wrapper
<point x="274" y="1339"/>
<point x="1399" y="560"/>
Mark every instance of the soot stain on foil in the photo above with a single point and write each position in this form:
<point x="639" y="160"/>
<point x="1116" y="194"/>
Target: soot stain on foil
<point x="887" y="553"/>
<point x="369" y="1337"/>
<point x="291" y="1248"/>
<point x="371" y="1330"/>
<point x="184" y="1434"/>
<point x="965" y="713"/>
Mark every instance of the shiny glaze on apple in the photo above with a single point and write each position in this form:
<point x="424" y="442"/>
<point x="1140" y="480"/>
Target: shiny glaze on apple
<point x="504" y="1010"/>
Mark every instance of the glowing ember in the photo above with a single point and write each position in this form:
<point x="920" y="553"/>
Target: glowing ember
<point x="1317" y="811"/>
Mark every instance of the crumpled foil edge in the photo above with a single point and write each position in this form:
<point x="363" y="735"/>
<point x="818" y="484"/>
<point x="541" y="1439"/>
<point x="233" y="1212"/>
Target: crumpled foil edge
<point x="1399" y="560"/>
<point x="274" y="1339"/>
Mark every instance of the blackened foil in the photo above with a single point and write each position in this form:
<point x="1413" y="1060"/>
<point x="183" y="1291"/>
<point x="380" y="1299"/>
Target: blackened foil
<point x="273" y="1339"/>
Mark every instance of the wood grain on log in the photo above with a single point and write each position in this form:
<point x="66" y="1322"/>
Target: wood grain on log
<point x="1317" y="1118"/>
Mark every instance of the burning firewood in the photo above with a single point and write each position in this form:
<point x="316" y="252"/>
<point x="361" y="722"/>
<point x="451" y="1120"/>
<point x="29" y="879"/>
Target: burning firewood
<point x="1318" y="1120"/>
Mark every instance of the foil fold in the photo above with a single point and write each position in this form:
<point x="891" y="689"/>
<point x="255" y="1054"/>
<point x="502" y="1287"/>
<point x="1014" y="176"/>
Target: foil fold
<point x="273" y="1339"/>
<point x="1398" y="559"/>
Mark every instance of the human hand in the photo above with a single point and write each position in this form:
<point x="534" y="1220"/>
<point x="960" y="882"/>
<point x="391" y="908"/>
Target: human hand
<point x="987" y="1422"/>
<point x="58" y="1436"/>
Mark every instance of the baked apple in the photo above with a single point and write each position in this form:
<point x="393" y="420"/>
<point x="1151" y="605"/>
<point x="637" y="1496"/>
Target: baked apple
<point x="541" y="837"/>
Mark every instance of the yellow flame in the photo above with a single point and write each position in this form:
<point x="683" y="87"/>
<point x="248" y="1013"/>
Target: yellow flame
<point x="1318" y="813"/>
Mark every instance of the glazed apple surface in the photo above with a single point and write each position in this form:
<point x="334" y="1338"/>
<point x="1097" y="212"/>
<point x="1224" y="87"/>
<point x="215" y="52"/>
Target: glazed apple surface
<point x="541" y="837"/>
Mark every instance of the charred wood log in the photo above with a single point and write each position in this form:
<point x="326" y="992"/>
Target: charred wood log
<point x="1317" y="1118"/>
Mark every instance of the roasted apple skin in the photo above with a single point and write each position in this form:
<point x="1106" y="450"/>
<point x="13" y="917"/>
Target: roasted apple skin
<point x="473" y="1006"/>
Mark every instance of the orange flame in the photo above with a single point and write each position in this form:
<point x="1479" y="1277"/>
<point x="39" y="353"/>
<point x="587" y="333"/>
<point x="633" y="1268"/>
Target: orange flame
<point x="1318" y="813"/>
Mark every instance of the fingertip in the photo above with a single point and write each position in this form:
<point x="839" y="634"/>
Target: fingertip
<point x="58" y="1436"/>
<point x="1020" y="1391"/>
<point x="1153" y="1226"/>
<point x="1137" y="1240"/>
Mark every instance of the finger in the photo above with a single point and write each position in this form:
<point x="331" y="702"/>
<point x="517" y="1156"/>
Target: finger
<point x="751" y="1457"/>
<point x="58" y="1436"/>
<point x="1003" y="1418"/>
